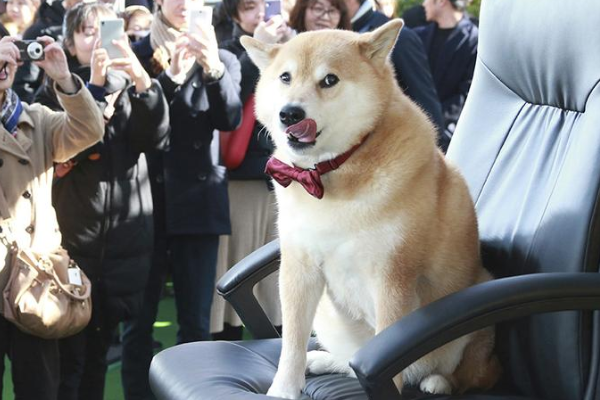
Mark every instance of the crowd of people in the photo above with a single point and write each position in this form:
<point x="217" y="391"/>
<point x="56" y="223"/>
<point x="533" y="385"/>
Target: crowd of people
<point x="122" y="170"/>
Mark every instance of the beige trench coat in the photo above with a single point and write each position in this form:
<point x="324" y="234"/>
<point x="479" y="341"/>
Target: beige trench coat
<point x="26" y="166"/>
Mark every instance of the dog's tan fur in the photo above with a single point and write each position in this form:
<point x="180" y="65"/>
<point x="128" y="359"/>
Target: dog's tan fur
<point x="396" y="228"/>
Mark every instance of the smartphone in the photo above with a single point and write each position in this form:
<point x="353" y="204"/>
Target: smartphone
<point x="272" y="8"/>
<point x="111" y="29"/>
<point x="199" y="16"/>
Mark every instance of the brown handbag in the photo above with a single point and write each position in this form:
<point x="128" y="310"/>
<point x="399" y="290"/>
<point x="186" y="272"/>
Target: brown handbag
<point x="39" y="297"/>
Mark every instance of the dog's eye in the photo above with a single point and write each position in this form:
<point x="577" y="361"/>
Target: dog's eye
<point x="285" y="77"/>
<point x="329" y="81"/>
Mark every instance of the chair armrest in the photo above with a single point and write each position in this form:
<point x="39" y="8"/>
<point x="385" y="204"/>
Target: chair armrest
<point x="469" y="310"/>
<point x="237" y="284"/>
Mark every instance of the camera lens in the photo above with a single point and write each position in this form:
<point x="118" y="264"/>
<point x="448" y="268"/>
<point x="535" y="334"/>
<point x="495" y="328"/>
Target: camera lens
<point x="35" y="50"/>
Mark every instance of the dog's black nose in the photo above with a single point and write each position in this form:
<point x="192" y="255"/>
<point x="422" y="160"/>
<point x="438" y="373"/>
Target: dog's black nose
<point x="290" y="115"/>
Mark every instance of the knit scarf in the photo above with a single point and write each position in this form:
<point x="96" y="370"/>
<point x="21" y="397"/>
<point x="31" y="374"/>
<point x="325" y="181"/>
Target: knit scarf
<point x="162" y="40"/>
<point x="11" y="111"/>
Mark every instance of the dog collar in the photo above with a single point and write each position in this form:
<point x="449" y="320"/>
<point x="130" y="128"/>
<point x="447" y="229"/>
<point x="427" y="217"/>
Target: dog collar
<point x="310" y="178"/>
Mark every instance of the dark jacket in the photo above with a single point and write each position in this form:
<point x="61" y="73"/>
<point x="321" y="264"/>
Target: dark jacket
<point x="104" y="204"/>
<point x="260" y="147"/>
<point x="453" y="70"/>
<point x="414" y="16"/>
<point x="222" y="23"/>
<point x="411" y="66"/>
<point x="189" y="187"/>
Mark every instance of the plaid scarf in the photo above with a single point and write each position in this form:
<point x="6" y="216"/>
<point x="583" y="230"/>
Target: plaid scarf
<point x="11" y="111"/>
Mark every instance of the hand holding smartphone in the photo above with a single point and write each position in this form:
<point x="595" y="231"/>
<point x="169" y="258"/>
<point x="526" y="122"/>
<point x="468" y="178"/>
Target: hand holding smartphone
<point x="111" y="29"/>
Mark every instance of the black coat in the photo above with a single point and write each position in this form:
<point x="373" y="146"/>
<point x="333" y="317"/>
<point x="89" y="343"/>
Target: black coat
<point x="260" y="146"/>
<point x="104" y="206"/>
<point x="453" y="70"/>
<point x="189" y="187"/>
<point x="411" y="66"/>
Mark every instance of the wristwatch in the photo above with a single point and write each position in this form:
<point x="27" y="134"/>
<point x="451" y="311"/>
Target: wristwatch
<point x="214" y="74"/>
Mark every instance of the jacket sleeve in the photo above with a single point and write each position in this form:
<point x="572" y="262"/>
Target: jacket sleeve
<point x="77" y="128"/>
<point x="148" y="124"/>
<point x="414" y="75"/>
<point x="224" y="95"/>
<point x="452" y="106"/>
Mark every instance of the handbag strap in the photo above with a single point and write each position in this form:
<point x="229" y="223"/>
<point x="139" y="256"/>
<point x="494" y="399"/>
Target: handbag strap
<point x="33" y="260"/>
<point x="36" y="261"/>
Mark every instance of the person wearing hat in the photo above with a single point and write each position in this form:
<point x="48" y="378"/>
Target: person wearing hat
<point x="451" y="43"/>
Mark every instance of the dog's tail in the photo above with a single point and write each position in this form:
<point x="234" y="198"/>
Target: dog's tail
<point x="479" y="367"/>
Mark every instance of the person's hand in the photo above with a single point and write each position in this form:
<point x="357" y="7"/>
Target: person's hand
<point x="55" y="65"/>
<point x="182" y="60"/>
<point x="275" y="30"/>
<point x="287" y="33"/>
<point x="9" y="53"/>
<point x="99" y="65"/>
<point x="203" y="46"/>
<point x="131" y="65"/>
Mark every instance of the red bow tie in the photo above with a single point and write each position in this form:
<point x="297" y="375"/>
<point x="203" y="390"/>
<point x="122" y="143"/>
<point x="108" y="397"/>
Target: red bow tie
<point x="310" y="179"/>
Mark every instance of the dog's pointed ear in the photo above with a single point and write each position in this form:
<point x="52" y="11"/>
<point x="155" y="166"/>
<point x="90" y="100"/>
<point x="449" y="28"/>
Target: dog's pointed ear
<point x="260" y="53"/>
<point x="377" y="45"/>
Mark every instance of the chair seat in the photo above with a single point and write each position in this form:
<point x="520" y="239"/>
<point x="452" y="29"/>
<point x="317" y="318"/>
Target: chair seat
<point x="244" y="371"/>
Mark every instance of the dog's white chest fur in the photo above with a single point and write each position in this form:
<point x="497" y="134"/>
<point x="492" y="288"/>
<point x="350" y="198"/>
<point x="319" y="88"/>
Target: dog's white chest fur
<point x="349" y="253"/>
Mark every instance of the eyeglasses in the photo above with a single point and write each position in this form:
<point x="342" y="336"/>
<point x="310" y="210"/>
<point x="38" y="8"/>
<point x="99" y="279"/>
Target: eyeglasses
<point x="320" y="11"/>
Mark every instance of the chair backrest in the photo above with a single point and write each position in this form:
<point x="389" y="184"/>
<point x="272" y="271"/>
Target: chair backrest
<point x="528" y="143"/>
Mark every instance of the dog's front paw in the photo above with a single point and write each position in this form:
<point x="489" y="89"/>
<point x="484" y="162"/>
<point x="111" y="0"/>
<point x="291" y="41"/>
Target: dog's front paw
<point x="283" y="392"/>
<point x="321" y="362"/>
<point x="286" y="388"/>
<point x="436" y="384"/>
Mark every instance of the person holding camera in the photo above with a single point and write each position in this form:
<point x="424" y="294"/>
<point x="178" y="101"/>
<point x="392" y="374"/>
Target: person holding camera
<point x="33" y="137"/>
<point x="102" y="195"/>
<point x="191" y="206"/>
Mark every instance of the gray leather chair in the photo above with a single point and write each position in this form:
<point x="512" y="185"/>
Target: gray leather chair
<point x="528" y="143"/>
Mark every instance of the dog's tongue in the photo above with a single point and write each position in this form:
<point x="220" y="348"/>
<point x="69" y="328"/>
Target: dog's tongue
<point x="305" y="131"/>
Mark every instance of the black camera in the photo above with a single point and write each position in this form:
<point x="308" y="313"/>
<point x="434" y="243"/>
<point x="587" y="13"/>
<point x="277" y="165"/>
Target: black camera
<point x="30" y="50"/>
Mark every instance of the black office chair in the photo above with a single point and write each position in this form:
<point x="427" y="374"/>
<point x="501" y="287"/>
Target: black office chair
<point x="528" y="143"/>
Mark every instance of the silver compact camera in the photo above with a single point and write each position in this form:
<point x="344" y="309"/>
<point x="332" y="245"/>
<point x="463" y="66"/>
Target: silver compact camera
<point x="30" y="50"/>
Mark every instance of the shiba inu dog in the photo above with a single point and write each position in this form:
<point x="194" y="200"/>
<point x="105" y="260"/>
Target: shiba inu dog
<point x="373" y="222"/>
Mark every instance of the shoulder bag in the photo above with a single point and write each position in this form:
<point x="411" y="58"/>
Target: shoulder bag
<point x="46" y="295"/>
<point x="234" y="144"/>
